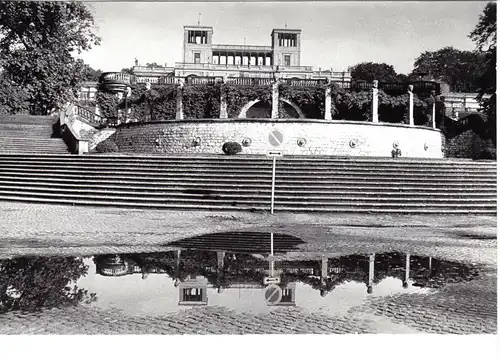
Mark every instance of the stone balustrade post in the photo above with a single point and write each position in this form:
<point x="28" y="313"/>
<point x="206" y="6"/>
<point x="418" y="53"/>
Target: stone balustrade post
<point x="275" y="100"/>
<point x="410" y="106"/>
<point x="375" y="101"/>
<point x="328" y="102"/>
<point x="223" y="101"/>
<point x="179" y="112"/>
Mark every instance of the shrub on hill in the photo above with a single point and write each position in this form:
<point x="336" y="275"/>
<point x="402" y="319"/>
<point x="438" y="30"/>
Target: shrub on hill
<point x="107" y="146"/>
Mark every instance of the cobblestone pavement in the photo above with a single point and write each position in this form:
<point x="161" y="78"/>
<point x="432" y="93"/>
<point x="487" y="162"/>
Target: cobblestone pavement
<point x="453" y="311"/>
<point x="463" y="308"/>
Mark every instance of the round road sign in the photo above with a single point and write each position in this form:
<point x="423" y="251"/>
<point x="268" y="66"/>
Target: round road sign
<point x="275" y="138"/>
<point x="273" y="294"/>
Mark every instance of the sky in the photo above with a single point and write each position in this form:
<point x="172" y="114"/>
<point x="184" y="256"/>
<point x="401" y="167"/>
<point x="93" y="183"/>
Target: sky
<point x="334" y="34"/>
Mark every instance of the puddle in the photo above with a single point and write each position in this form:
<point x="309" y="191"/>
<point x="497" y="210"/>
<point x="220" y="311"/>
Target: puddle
<point x="227" y="269"/>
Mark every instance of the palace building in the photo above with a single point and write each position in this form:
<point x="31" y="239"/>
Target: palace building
<point x="201" y="57"/>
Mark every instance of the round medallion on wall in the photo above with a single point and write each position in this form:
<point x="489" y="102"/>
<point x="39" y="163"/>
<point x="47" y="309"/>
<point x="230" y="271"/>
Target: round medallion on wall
<point x="246" y="142"/>
<point x="395" y="145"/>
<point x="353" y="143"/>
<point x="301" y="142"/>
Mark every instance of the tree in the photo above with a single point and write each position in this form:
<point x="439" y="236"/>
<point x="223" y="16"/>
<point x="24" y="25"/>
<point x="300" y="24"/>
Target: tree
<point x="129" y="70"/>
<point x="91" y="74"/>
<point x="369" y="71"/>
<point x="37" y="44"/>
<point x="459" y="69"/>
<point x="32" y="283"/>
<point x="153" y="65"/>
<point x="485" y="36"/>
<point x="13" y="99"/>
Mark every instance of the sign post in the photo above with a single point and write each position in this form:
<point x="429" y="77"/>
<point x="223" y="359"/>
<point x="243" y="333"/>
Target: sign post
<point x="275" y="139"/>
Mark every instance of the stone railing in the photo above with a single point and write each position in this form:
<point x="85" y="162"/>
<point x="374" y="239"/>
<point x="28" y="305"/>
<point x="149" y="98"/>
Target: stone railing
<point x="249" y="81"/>
<point x="89" y="116"/>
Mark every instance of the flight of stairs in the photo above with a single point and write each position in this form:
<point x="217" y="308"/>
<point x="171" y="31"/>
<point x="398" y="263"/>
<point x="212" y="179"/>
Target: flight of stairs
<point x="30" y="134"/>
<point x="327" y="184"/>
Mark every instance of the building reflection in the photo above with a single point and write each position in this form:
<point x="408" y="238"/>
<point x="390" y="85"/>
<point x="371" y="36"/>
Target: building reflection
<point x="194" y="272"/>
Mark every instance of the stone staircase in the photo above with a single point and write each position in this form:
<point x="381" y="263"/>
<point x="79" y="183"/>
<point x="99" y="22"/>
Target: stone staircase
<point x="30" y="134"/>
<point x="326" y="184"/>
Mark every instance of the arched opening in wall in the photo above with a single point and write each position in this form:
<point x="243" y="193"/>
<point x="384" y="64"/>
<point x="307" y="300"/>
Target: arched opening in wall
<point x="289" y="111"/>
<point x="263" y="110"/>
<point x="260" y="109"/>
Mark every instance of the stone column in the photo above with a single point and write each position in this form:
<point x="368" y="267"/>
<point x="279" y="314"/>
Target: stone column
<point x="223" y="102"/>
<point x="179" y="112"/>
<point x="375" y="101"/>
<point x="410" y="106"/>
<point x="275" y="100"/>
<point x="371" y="273"/>
<point x="324" y="270"/>
<point x="433" y="94"/>
<point x="328" y="102"/>
<point x="407" y="271"/>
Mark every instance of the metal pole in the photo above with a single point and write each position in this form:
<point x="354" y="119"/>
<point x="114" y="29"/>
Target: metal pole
<point x="272" y="185"/>
<point x="272" y="244"/>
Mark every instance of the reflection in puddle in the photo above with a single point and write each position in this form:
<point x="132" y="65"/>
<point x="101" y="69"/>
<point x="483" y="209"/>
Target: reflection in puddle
<point x="220" y="271"/>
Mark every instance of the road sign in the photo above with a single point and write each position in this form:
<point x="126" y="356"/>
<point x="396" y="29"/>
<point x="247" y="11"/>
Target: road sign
<point x="271" y="280"/>
<point x="273" y="294"/>
<point x="275" y="138"/>
<point x="275" y="153"/>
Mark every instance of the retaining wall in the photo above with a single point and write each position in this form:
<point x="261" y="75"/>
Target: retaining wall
<point x="304" y="137"/>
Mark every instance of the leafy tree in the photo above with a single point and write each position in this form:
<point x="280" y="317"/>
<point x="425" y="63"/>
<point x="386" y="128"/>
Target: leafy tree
<point x="13" y="99"/>
<point x="129" y="70"/>
<point x="32" y="283"/>
<point x="91" y="74"/>
<point x="37" y="44"/>
<point x="485" y="36"/>
<point x="369" y="71"/>
<point x="153" y="65"/>
<point x="458" y="68"/>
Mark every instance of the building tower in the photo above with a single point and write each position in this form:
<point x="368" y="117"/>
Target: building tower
<point x="286" y="47"/>
<point x="198" y="44"/>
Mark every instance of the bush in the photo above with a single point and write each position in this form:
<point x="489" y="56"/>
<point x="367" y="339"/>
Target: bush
<point x="107" y="146"/>
<point x="231" y="148"/>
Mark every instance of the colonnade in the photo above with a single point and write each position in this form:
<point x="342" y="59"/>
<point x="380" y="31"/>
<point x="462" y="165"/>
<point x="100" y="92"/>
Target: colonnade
<point x="328" y="105"/>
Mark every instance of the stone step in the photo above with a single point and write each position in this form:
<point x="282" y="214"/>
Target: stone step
<point x="238" y="181"/>
<point x="124" y="166"/>
<point x="192" y="158"/>
<point x="357" y="207"/>
<point x="243" y="176"/>
<point x="236" y="196"/>
<point x="294" y="186"/>
<point x="264" y="189"/>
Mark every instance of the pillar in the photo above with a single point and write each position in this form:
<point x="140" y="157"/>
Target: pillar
<point x="375" y="101"/>
<point x="275" y="100"/>
<point x="371" y="273"/>
<point x="410" y="106"/>
<point x="324" y="270"/>
<point x="328" y="103"/>
<point x="407" y="270"/>
<point x="179" y="112"/>
<point x="433" y="116"/>
<point x="220" y="260"/>
<point x="223" y="102"/>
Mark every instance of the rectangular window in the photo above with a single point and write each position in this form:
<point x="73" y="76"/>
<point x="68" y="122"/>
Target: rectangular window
<point x="286" y="60"/>
<point x="197" y="58"/>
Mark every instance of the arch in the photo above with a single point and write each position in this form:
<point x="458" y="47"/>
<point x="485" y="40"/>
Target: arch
<point x="245" y="108"/>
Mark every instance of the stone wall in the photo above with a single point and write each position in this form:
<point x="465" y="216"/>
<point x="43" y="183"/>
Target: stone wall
<point x="317" y="137"/>
<point x="467" y="145"/>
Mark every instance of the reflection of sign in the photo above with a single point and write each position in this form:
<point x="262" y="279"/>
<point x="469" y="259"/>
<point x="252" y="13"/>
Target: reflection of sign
<point x="273" y="294"/>
<point x="275" y="138"/>
<point x="271" y="280"/>
<point x="275" y="153"/>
